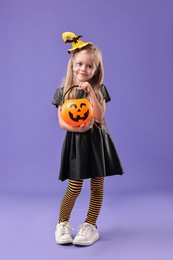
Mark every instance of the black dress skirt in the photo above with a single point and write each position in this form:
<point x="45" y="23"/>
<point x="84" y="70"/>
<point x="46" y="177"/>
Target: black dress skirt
<point x="90" y="154"/>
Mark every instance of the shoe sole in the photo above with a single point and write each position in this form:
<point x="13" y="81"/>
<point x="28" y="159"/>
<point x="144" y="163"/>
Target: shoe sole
<point x="88" y="243"/>
<point x="64" y="242"/>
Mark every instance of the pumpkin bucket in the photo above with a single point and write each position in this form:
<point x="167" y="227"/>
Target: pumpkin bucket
<point x="76" y="112"/>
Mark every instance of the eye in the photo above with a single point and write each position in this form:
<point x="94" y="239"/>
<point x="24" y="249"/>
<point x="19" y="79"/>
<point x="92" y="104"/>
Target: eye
<point x="90" y="66"/>
<point x="73" y="105"/>
<point x="78" y="64"/>
<point x="82" y="104"/>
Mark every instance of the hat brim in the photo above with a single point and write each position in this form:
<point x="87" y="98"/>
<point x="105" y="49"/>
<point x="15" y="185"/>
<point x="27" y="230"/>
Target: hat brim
<point x="79" y="47"/>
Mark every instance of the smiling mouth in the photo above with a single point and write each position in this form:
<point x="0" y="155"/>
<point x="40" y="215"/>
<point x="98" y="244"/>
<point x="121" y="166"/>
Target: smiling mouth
<point x="82" y="74"/>
<point x="78" y="118"/>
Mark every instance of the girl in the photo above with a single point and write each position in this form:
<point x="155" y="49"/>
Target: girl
<point x="88" y="151"/>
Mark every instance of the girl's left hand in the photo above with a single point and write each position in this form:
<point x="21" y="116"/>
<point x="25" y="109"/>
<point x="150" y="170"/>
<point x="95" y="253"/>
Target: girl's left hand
<point x="86" y="87"/>
<point x="88" y="126"/>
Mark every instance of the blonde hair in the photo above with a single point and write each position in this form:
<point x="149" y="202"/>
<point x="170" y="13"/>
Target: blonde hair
<point x="96" y="81"/>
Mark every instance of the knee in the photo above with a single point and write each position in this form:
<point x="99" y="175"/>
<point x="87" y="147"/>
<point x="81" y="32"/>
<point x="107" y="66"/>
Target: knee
<point x="97" y="188"/>
<point x="96" y="191"/>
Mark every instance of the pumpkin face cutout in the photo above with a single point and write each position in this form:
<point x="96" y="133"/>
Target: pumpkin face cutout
<point x="76" y="112"/>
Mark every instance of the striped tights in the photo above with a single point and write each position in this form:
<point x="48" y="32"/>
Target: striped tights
<point x="73" y="190"/>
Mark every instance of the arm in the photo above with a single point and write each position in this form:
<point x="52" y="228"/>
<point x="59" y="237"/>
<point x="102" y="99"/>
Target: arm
<point x="99" y="107"/>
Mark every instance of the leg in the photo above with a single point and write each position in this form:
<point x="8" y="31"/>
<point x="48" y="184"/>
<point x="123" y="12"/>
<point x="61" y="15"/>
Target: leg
<point x="72" y="192"/>
<point x="88" y="232"/>
<point x="96" y="199"/>
<point x="62" y="232"/>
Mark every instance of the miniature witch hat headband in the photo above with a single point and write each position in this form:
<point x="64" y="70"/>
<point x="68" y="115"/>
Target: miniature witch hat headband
<point x="77" y="43"/>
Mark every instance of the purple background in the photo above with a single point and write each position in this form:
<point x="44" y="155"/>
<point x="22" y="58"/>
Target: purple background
<point x="136" y="39"/>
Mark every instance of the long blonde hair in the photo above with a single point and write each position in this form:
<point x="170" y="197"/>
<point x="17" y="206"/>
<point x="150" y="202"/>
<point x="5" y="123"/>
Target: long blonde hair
<point x="97" y="79"/>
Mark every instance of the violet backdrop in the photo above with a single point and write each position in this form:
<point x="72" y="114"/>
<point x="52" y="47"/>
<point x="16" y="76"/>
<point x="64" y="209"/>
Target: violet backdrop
<point x="136" y="40"/>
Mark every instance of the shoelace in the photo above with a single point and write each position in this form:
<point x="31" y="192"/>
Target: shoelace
<point x="82" y="229"/>
<point x="63" y="227"/>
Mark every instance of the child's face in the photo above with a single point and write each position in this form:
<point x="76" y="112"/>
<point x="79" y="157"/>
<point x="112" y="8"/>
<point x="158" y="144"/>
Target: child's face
<point x="84" y="66"/>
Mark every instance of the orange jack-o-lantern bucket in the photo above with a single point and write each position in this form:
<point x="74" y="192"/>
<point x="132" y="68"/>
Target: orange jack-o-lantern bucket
<point x="76" y="112"/>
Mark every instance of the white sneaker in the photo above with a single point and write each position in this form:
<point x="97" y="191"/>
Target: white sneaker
<point x="62" y="233"/>
<point x="86" y="235"/>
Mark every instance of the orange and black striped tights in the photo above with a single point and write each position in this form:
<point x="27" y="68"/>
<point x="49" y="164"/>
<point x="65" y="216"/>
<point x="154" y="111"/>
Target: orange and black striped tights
<point x="73" y="190"/>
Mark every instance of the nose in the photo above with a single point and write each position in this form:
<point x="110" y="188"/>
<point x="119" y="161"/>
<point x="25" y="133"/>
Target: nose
<point x="83" y="67"/>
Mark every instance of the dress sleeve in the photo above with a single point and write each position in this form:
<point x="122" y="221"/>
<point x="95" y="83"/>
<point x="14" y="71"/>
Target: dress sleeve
<point x="57" y="98"/>
<point x="105" y="93"/>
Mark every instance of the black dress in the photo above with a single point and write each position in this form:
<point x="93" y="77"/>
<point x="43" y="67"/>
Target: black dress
<point x="90" y="154"/>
